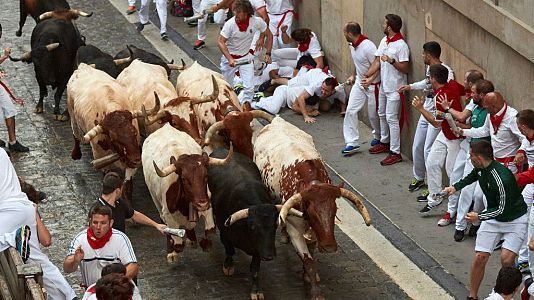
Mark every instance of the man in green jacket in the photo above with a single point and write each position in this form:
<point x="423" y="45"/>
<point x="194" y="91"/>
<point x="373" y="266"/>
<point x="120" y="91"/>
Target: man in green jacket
<point x="505" y="217"/>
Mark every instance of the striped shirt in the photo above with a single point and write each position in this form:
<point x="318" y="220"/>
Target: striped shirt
<point x="117" y="250"/>
<point x="505" y="202"/>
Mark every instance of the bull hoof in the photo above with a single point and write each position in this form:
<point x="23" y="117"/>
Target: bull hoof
<point x="228" y="271"/>
<point x="307" y="278"/>
<point x="256" y="296"/>
<point x="205" y="244"/>
<point x="38" y="110"/>
<point x="18" y="33"/>
<point x="173" y="257"/>
<point x="61" y="118"/>
<point x="192" y="244"/>
<point x="76" y="154"/>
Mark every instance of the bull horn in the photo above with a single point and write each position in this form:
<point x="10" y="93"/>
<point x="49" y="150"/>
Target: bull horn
<point x="165" y="172"/>
<point x="212" y="131"/>
<point x="292" y="211"/>
<point x="286" y="207"/>
<point x="92" y="66"/>
<point x="238" y="215"/>
<point x="157" y="105"/>
<point x="209" y="98"/>
<point x="262" y="115"/>
<point x="160" y="115"/>
<point x="27" y="56"/>
<point x="172" y="66"/>
<point x="120" y="61"/>
<point x="105" y="161"/>
<point x="138" y="113"/>
<point x="92" y="133"/>
<point x="222" y="162"/>
<point x="52" y="46"/>
<point x="81" y="13"/>
<point x="356" y="200"/>
<point x="46" y="15"/>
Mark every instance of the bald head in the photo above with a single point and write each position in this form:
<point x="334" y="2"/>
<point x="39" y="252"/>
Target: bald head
<point x="493" y="102"/>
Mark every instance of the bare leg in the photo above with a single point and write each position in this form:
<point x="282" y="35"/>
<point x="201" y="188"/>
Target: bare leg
<point x="477" y="272"/>
<point x="10" y="124"/>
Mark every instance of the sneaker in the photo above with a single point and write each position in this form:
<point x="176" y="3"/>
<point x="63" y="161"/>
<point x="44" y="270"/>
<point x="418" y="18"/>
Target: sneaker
<point x="380" y="148"/>
<point x="164" y="36"/>
<point x="257" y="96"/>
<point x="199" y="45"/>
<point x="22" y="241"/>
<point x="446" y="220"/>
<point x="415" y="185"/>
<point x="18" y="147"/>
<point x="131" y="9"/>
<point x="141" y="26"/>
<point x="423" y="196"/>
<point x="350" y="150"/>
<point x="522" y="266"/>
<point x="524" y="293"/>
<point x="193" y="23"/>
<point x="238" y="88"/>
<point x="375" y="142"/>
<point x="264" y="86"/>
<point x="391" y="159"/>
<point x="428" y="208"/>
<point x="473" y="230"/>
<point x="459" y="235"/>
<point x="471" y="298"/>
<point x="2" y="143"/>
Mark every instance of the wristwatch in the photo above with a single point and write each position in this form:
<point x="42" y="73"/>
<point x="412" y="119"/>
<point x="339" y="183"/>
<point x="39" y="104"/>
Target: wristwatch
<point x="268" y="53"/>
<point x="393" y="61"/>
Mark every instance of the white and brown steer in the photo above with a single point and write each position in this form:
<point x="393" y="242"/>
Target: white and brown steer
<point x="293" y="170"/>
<point x="179" y="190"/>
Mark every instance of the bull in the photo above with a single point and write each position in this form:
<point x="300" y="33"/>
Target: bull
<point x="146" y="57"/>
<point x="179" y="190"/>
<point x="54" y="43"/>
<point x="91" y="55"/>
<point x="293" y="170"/>
<point x="37" y="7"/>
<point x="245" y="213"/>
<point x="102" y="115"/>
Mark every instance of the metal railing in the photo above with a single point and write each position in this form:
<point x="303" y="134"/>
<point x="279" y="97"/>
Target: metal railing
<point x="19" y="281"/>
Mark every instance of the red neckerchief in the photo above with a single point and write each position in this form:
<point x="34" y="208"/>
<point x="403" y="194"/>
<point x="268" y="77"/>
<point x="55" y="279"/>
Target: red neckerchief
<point x="496" y="121"/>
<point x="97" y="243"/>
<point x="530" y="139"/>
<point x="91" y="290"/>
<point x="303" y="47"/>
<point x="360" y="39"/>
<point x="396" y="37"/>
<point x="19" y="101"/>
<point x="243" y="25"/>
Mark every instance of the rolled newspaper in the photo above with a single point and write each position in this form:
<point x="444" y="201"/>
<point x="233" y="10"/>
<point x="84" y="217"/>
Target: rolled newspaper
<point x="452" y="123"/>
<point x="343" y="85"/>
<point x="242" y="62"/>
<point x="174" y="231"/>
<point x="197" y="17"/>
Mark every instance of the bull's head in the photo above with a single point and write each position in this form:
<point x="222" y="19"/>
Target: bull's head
<point x="27" y="56"/>
<point x="318" y="203"/>
<point x="192" y="171"/>
<point x="237" y="124"/>
<point x="261" y="224"/>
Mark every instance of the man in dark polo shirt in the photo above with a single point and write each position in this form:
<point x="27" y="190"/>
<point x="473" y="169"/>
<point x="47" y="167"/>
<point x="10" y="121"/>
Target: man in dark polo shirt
<point x="111" y="196"/>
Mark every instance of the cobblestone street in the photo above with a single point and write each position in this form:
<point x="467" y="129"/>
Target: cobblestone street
<point x="72" y="186"/>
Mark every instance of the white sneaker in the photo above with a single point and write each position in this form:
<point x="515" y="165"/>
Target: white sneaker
<point x="445" y="220"/>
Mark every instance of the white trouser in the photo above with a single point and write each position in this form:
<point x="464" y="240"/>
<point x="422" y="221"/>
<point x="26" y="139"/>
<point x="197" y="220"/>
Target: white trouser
<point x="524" y="252"/>
<point x="357" y="99"/>
<point x="443" y="152"/>
<point x="469" y="194"/>
<point x="246" y="72"/>
<point x="196" y="6"/>
<point x="161" y="6"/>
<point x="7" y="108"/>
<point x="456" y="175"/>
<point x="131" y="2"/>
<point x="274" y="21"/>
<point x="219" y="17"/>
<point x="425" y="135"/>
<point x="286" y="57"/>
<point x="15" y="214"/>
<point x="388" y="112"/>
<point x="282" y="96"/>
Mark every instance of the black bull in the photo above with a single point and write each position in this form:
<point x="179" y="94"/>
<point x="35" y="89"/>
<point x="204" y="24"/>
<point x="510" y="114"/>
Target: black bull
<point x="36" y="7"/>
<point x="237" y="187"/>
<point x="142" y="55"/>
<point x="53" y="67"/>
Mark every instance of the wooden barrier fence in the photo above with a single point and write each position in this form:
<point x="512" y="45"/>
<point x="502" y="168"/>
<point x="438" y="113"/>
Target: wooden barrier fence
<point x="19" y="281"/>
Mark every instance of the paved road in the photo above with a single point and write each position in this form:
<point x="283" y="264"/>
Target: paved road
<point x="72" y="187"/>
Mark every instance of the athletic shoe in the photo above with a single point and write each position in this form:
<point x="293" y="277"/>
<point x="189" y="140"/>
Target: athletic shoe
<point x="131" y="9"/>
<point x="415" y="185"/>
<point x="446" y="220"/>
<point x="471" y="298"/>
<point x="522" y="266"/>
<point x="423" y="196"/>
<point x="199" y="45"/>
<point x="428" y="208"/>
<point x="380" y="148"/>
<point x="375" y="142"/>
<point x="459" y="235"/>
<point x="164" y="36"/>
<point x="2" y="143"/>
<point x="524" y="293"/>
<point x="473" y="230"/>
<point x="238" y="88"/>
<point x="257" y="96"/>
<point x="18" y="147"/>
<point x="391" y="159"/>
<point x="141" y="26"/>
<point x="350" y="150"/>
<point x="22" y="241"/>
<point x="193" y="23"/>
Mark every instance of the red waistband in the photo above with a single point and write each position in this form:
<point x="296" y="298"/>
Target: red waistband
<point x="284" y="13"/>
<point x="241" y="56"/>
<point x="504" y="160"/>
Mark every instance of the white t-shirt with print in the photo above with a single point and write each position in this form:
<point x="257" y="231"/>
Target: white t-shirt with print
<point x="363" y="56"/>
<point x="392" y="78"/>
<point x="239" y="42"/>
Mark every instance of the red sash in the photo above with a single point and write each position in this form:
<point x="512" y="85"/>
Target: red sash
<point x="496" y="121"/>
<point x="377" y="92"/>
<point x="97" y="243"/>
<point x="19" y="101"/>
<point x="398" y="36"/>
<point x="509" y="161"/>
<point x="404" y="115"/>
<point x="360" y="39"/>
<point x="235" y="56"/>
<point x="277" y="33"/>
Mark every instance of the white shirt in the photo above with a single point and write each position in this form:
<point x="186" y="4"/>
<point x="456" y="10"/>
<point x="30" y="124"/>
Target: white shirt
<point x="363" y="56"/>
<point x="528" y="147"/>
<point x="117" y="250"/>
<point x="257" y="4"/>
<point x="425" y="84"/>
<point x="508" y="138"/>
<point x="391" y="77"/>
<point x="314" y="48"/>
<point x="239" y="42"/>
<point x="494" y="296"/>
<point x="279" y="6"/>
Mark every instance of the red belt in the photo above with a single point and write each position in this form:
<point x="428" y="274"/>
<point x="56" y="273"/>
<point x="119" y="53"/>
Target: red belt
<point x="241" y="56"/>
<point x="13" y="98"/>
<point x="282" y="20"/>
<point x="377" y="92"/>
<point x="506" y="162"/>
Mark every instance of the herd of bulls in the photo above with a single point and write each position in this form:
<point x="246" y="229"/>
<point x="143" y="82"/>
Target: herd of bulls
<point x="245" y="191"/>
